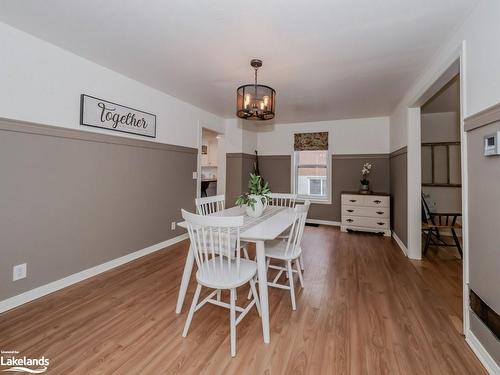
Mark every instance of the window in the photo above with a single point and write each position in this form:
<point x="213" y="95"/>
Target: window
<point x="311" y="167"/>
<point x="317" y="186"/>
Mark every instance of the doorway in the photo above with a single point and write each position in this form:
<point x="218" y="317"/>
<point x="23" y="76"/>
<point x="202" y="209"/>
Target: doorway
<point x="441" y="197"/>
<point x="211" y="163"/>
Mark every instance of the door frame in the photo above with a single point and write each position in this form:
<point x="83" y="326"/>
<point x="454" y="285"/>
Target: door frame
<point x="221" y="152"/>
<point x="455" y="64"/>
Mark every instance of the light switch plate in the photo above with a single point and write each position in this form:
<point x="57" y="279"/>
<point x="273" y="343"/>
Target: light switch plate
<point x="19" y="272"/>
<point x="173" y="225"/>
<point x="195" y="175"/>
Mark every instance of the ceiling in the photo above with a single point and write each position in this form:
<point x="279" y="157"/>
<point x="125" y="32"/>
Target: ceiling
<point x="327" y="59"/>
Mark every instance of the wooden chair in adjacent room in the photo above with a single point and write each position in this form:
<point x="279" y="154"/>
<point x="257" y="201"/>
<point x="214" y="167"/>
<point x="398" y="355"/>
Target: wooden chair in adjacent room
<point x="435" y="223"/>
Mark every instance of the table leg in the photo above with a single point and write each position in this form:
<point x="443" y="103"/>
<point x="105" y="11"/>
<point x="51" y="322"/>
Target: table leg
<point x="264" y="302"/>
<point x="186" y="275"/>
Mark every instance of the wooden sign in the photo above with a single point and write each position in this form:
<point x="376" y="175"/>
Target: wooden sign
<point x="103" y="114"/>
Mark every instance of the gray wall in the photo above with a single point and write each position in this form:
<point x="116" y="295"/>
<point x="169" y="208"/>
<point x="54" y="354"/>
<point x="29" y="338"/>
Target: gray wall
<point x="70" y="199"/>
<point x="238" y="169"/>
<point x="346" y="171"/>
<point x="399" y="193"/>
<point x="484" y="224"/>
<point x="276" y="169"/>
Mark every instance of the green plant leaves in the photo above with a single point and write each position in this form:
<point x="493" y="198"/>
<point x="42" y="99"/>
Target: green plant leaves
<point x="255" y="187"/>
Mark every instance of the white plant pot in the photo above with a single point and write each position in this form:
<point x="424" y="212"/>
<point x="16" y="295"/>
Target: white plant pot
<point x="259" y="206"/>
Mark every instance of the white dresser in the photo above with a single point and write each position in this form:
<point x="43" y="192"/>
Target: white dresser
<point x="366" y="212"/>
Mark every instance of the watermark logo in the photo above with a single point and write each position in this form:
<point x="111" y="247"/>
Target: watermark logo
<point x="15" y="363"/>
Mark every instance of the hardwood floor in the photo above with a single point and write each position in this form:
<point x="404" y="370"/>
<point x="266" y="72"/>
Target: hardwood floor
<point x="441" y="268"/>
<point x="365" y="310"/>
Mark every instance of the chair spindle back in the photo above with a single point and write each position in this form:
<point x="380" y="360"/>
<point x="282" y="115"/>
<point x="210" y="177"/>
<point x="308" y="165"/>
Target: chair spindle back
<point x="212" y="236"/>
<point x="210" y="205"/>
<point x="282" y="199"/>
<point x="297" y="229"/>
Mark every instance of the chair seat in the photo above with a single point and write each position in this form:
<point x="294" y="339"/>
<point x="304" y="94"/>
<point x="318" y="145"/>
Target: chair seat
<point x="427" y="226"/>
<point x="226" y="277"/>
<point x="276" y="249"/>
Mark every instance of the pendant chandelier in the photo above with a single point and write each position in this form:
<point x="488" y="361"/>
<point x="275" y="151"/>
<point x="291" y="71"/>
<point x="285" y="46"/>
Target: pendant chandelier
<point x="253" y="101"/>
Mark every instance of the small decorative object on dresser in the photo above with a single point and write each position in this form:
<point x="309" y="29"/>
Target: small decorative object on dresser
<point x="365" y="184"/>
<point x="368" y="212"/>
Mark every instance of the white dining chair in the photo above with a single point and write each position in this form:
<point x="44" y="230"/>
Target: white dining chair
<point x="209" y="237"/>
<point x="289" y="252"/>
<point x="282" y="199"/>
<point x="211" y="205"/>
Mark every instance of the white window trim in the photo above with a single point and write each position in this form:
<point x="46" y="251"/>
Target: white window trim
<point x="293" y="182"/>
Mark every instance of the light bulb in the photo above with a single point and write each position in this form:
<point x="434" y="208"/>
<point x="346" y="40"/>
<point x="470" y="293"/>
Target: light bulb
<point x="247" y="100"/>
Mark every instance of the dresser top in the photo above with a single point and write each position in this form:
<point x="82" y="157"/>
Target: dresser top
<point x="371" y="193"/>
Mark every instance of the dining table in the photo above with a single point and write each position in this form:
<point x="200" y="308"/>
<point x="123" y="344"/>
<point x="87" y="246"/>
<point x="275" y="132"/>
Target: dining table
<point x="273" y="222"/>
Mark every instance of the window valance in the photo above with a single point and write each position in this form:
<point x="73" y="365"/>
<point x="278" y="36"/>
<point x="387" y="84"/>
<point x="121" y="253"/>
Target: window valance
<point x="311" y="141"/>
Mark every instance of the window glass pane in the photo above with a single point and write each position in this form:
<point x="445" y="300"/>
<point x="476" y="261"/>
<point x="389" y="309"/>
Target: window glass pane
<point x="315" y="186"/>
<point x="311" y="181"/>
<point x="311" y="174"/>
<point x="312" y="157"/>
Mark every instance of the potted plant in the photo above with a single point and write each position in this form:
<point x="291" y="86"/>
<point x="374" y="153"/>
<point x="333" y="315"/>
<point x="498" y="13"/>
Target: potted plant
<point x="365" y="184"/>
<point x="257" y="197"/>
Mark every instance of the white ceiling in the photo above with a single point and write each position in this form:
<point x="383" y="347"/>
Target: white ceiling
<point x="327" y="59"/>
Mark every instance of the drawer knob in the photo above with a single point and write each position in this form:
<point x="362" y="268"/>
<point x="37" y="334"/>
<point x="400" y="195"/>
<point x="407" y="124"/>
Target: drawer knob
<point x="380" y="212"/>
<point x="349" y="220"/>
<point x="377" y="201"/>
<point x="350" y="210"/>
<point x="379" y="223"/>
<point x="352" y="200"/>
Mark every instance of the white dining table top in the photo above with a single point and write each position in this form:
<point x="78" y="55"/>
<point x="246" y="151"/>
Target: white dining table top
<point x="274" y="221"/>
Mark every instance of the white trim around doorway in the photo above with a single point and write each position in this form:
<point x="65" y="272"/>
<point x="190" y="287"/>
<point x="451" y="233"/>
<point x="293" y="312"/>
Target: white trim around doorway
<point x="455" y="64"/>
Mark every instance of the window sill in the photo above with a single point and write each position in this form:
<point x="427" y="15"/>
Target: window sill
<point x="314" y="201"/>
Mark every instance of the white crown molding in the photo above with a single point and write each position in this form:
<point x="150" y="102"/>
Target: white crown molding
<point x="54" y="286"/>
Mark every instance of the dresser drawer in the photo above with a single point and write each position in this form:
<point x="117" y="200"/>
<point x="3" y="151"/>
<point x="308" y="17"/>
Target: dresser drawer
<point x="365" y="222"/>
<point x="377" y="201"/>
<point x="353" y="200"/>
<point x="377" y="212"/>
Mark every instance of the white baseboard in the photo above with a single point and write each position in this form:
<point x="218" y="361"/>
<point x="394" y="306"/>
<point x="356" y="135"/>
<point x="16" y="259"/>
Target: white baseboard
<point x="400" y="243"/>
<point x="54" y="286"/>
<point x="324" y="222"/>
<point x="488" y="362"/>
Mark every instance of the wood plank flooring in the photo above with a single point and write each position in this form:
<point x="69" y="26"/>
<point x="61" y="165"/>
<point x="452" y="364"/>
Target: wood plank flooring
<point x="365" y="310"/>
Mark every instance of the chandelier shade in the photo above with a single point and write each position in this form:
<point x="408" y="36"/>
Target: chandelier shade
<point x="255" y="102"/>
